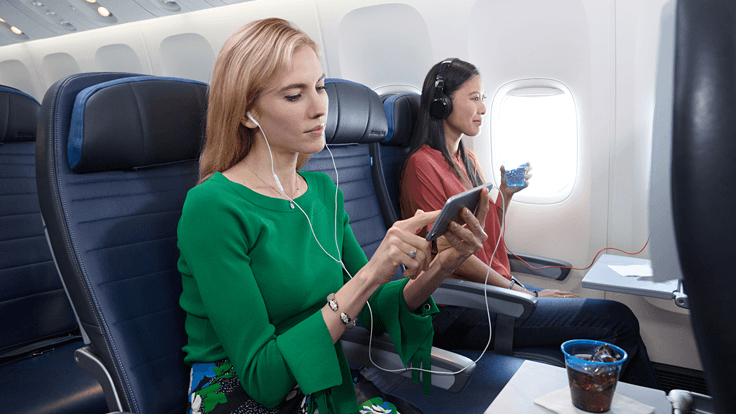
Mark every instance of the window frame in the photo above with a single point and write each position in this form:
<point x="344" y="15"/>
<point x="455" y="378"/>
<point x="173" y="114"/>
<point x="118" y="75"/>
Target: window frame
<point x="498" y="98"/>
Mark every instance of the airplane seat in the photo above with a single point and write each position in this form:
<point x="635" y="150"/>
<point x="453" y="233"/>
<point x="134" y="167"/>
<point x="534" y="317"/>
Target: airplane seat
<point x="116" y="155"/>
<point x="703" y="147"/>
<point x="356" y="121"/>
<point x="40" y="331"/>
<point x="389" y="158"/>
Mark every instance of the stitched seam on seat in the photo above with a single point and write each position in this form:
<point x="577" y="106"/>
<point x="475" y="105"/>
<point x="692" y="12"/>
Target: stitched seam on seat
<point x="112" y="282"/>
<point x="20" y="214"/>
<point x="178" y="211"/>
<point x="23" y="238"/>
<point x="174" y="174"/>
<point x="26" y="265"/>
<point x="46" y="292"/>
<point x="128" y="244"/>
<point x="124" y="195"/>
<point x="17" y="154"/>
<point x="18" y="194"/>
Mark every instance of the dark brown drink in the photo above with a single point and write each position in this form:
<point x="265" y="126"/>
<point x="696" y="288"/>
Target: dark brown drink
<point x="592" y="392"/>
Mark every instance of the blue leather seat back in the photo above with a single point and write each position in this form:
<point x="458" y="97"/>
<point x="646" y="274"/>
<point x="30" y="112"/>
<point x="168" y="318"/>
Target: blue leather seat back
<point x="33" y="304"/>
<point x="40" y="333"/>
<point x="112" y="220"/>
<point x="392" y="152"/>
<point x="355" y="120"/>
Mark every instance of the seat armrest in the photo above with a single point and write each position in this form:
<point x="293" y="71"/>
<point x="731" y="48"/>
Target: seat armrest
<point x="383" y="352"/>
<point x="556" y="273"/>
<point x="87" y="360"/>
<point x="470" y="295"/>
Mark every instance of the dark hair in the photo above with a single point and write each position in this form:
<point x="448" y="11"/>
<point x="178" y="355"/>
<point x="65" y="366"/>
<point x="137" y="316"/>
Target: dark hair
<point x="429" y="130"/>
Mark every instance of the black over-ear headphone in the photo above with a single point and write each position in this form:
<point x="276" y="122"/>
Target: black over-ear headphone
<point x="441" y="105"/>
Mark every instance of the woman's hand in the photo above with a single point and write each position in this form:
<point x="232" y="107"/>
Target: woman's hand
<point x="554" y="293"/>
<point x="460" y="242"/>
<point x="402" y="246"/>
<point x="509" y="191"/>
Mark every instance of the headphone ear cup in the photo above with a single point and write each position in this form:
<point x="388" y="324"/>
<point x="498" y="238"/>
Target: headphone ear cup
<point x="441" y="108"/>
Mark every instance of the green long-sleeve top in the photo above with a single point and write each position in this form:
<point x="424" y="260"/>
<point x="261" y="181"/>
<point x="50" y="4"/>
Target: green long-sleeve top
<point x="255" y="280"/>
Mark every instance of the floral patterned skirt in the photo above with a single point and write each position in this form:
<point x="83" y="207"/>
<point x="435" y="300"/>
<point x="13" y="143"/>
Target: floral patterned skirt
<point x="214" y="388"/>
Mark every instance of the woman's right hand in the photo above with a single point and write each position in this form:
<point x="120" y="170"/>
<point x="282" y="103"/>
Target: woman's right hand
<point x="460" y="242"/>
<point x="397" y="248"/>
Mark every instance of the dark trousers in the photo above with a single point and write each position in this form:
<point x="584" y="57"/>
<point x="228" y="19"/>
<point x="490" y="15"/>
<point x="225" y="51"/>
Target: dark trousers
<point x="554" y="321"/>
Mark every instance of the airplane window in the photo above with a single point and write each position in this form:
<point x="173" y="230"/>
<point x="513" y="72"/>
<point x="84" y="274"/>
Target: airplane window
<point x="187" y="55"/>
<point x="58" y="65"/>
<point x="118" y="58"/>
<point x="399" y="37"/>
<point x="15" y="74"/>
<point x="535" y="121"/>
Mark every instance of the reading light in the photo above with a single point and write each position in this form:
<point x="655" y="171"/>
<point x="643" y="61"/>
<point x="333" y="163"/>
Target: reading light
<point x="16" y="30"/>
<point x="103" y="11"/>
<point x="92" y="1"/>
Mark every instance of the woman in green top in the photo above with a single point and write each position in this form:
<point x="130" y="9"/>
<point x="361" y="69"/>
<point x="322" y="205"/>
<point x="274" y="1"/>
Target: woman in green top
<point x="255" y="279"/>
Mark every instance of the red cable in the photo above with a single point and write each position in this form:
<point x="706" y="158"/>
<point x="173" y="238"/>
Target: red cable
<point x="564" y="267"/>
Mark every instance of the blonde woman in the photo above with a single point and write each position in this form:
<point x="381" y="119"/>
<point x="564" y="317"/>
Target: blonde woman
<point x="265" y="305"/>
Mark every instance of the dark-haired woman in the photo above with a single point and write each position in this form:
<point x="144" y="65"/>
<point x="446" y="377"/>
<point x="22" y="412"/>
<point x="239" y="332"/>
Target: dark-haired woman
<point x="440" y="167"/>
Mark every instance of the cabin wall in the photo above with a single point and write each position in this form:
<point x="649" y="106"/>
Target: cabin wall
<point x="604" y="52"/>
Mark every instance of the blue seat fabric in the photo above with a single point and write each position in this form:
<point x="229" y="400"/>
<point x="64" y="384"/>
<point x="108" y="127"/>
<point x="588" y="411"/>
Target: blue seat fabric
<point x="113" y="230"/>
<point x="356" y="167"/>
<point x="114" y="233"/>
<point x="40" y="332"/>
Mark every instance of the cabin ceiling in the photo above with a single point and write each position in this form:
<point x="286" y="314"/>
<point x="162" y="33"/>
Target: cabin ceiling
<point x="25" y="20"/>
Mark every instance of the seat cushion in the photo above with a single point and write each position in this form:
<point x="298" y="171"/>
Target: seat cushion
<point x="50" y="383"/>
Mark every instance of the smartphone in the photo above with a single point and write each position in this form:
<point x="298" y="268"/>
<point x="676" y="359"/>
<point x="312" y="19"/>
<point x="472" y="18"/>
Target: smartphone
<point x="452" y="207"/>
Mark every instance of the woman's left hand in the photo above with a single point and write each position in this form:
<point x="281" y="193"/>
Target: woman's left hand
<point x="509" y="191"/>
<point x="554" y="293"/>
<point x="460" y="242"/>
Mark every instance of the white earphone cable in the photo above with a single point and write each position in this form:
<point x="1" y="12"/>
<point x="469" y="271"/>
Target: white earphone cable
<point x="339" y="260"/>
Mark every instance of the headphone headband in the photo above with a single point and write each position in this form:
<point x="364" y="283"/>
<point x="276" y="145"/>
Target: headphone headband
<point x="441" y="107"/>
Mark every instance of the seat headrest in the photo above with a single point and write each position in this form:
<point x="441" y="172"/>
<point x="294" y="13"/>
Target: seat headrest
<point x="401" y="113"/>
<point x="18" y="115"/>
<point x="136" y="122"/>
<point x="355" y="114"/>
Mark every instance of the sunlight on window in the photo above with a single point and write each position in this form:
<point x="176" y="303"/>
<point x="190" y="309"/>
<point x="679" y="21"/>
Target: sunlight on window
<point x="537" y="125"/>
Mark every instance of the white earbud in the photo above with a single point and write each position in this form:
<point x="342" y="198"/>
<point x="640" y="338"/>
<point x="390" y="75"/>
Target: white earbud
<point x="254" y="120"/>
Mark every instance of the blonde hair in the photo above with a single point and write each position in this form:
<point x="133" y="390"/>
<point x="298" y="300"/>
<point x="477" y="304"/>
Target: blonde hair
<point x="249" y="62"/>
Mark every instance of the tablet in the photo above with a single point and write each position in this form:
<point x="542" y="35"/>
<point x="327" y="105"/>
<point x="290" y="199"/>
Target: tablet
<point x="451" y="209"/>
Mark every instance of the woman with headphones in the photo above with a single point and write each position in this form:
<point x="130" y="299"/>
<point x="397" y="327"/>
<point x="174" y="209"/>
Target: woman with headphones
<point x="439" y="167"/>
<point x="267" y="294"/>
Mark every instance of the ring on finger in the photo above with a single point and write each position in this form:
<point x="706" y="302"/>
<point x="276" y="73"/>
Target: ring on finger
<point x="413" y="253"/>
